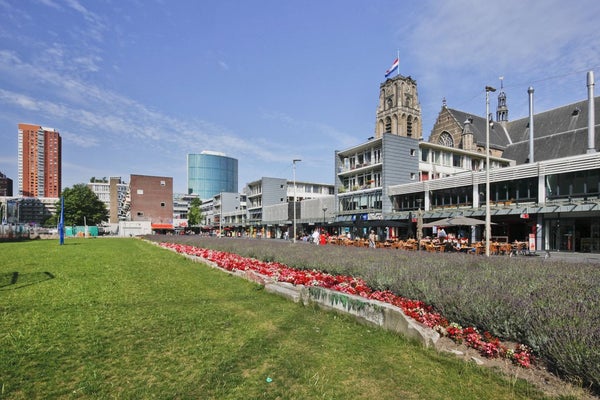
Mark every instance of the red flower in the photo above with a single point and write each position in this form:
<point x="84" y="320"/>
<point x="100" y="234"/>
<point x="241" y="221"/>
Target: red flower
<point x="486" y="344"/>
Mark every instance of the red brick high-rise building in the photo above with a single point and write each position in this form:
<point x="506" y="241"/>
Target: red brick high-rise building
<point x="40" y="161"/>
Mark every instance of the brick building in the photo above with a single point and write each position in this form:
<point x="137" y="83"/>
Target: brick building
<point x="151" y="199"/>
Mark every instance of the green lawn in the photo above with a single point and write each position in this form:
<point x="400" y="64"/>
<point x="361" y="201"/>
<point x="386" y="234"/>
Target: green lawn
<point x="124" y="319"/>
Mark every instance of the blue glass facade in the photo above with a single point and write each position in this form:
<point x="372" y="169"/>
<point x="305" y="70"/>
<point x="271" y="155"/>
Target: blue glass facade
<point x="211" y="174"/>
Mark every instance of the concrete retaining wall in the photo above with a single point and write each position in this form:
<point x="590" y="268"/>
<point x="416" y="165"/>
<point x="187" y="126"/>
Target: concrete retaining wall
<point x="367" y="311"/>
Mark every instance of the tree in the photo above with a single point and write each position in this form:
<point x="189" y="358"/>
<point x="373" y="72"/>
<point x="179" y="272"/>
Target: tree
<point x="81" y="205"/>
<point x="195" y="214"/>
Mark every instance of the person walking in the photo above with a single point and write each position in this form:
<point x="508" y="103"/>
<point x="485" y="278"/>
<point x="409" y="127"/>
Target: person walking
<point x="316" y="237"/>
<point x="372" y="239"/>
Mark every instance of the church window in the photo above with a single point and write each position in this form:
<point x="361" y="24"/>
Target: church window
<point x="388" y="125"/>
<point x="445" y="139"/>
<point x="409" y="127"/>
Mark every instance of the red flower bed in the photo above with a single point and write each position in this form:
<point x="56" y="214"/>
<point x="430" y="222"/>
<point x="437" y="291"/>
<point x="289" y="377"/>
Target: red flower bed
<point x="485" y="343"/>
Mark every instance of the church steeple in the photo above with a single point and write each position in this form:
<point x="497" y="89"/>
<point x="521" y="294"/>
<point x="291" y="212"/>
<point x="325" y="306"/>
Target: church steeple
<point x="399" y="110"/>
<point x="502" y="110"/>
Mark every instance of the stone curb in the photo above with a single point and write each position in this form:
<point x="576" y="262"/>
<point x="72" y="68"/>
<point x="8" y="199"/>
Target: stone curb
<point x="372" y="312"/>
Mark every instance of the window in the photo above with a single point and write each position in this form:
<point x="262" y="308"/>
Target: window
<point x="445" y="139"/>
<point x="140" y="191"/>
<point x="446" y="159"/>
<point x="377" y="155"/>
<point x="457" y="160"/>
<point x="162" y="183"/>
<point x="413" y="152"/>
<point x="140" y="213"/>
<point x="162" y="203"/>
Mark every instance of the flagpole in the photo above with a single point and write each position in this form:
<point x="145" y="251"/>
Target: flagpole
<point x="398" y="58"/>
<point x="61" y="222"/>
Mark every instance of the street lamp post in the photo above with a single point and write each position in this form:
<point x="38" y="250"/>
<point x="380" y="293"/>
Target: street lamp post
<point x="220" y="214"/>
<point x="294" y="202"/>
<point x="488" y="221"/>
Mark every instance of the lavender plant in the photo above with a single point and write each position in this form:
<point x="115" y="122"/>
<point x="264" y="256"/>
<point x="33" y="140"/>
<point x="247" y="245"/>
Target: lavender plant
<point x="553" y="307"/>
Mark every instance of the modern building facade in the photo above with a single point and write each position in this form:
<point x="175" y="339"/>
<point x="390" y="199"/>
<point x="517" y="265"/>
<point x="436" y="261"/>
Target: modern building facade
<point x="30" y="211"/>
<point x="270" y="203"/>
<point x="210" y="173"/>
<point x="113" y="193"/>
<point x="550" y="192"/>
<point x="39" y="161"/>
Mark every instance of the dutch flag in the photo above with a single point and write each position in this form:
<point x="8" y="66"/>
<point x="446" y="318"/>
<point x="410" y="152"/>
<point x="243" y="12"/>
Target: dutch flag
<point x="393" y="68"/>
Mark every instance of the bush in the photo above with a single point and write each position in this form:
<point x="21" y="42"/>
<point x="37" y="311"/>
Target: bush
<point x="551" y="306"/>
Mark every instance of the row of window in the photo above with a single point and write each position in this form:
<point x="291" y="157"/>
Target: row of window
<point x="362" y="159"/>
<point x="449" y="159"/>
<point x="366" y="201"/>
<point x="558" y="186"/>
<point x="362" y="181"/>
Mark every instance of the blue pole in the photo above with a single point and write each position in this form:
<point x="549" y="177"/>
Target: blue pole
<point x="61" y="223"/>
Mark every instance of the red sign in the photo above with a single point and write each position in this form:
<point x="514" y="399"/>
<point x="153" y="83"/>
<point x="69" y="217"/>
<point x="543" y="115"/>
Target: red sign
<point x="532" y="242"/>
<point x="525" y="216"/>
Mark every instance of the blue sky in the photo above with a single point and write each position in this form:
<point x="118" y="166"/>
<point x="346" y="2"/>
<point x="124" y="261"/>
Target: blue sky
<point x="135" y="85"/>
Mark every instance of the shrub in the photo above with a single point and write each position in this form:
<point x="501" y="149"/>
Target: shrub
<point x="551" y="306"/>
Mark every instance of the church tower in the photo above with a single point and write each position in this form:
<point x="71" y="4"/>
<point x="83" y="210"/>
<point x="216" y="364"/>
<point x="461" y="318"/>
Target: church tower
<point x="399" y="110"/>
<point x="502" y="110"/>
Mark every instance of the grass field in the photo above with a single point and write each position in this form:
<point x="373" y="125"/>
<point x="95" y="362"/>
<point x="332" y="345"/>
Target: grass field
<point x="124" y="319"/>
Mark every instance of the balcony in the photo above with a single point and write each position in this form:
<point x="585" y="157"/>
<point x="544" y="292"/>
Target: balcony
<point x="358" y="168"/>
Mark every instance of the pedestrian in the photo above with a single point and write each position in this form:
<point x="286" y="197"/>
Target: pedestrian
<point x="372" y="239"/>
<point x="315" y="236"/>
<point x="442" y="235"/>
<point x="323" y="238"/>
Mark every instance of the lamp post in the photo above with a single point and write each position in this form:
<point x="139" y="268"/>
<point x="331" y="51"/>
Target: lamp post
<point x="419" y="225"/>
<point x="294" y="161"/>
<point x="488" y="221"/>
<point x="220" y="214"/>
<point x="324" y="209"/>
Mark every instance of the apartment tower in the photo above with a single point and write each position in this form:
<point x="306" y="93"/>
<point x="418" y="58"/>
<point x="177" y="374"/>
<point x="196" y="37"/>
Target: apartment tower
<point x="40" y="162"/>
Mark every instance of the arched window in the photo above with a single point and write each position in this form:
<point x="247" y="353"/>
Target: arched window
<point x="445" y="139"/>
<point x="388" y="125"/>
<point x="409" y="126"/>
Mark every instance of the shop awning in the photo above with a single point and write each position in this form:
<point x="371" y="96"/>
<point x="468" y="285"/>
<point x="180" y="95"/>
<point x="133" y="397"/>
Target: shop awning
<point x="162" y="226"/>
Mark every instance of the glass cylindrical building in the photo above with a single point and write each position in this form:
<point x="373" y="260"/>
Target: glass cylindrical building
<point x="210" y="173"/>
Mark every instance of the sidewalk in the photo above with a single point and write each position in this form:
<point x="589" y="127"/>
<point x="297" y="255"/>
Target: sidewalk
<point x="593" y="258"/>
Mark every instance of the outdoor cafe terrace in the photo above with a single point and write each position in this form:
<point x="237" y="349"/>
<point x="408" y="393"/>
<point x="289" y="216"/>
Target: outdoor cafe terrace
<point x="437" y="245"/>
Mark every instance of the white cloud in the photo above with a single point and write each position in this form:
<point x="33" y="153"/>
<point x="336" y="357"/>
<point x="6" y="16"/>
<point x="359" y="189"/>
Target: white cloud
<point x="223" y="65"/>
<point x="457" y="47"/>
<point x="49" y="3"/>
<point x="94" y="110"/>
<point x="84" y="141"/>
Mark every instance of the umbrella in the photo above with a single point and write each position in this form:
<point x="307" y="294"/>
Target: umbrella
<point x="455" y="221"/>
<point x="465" y="221"/>
<point x="439" y="222"/>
